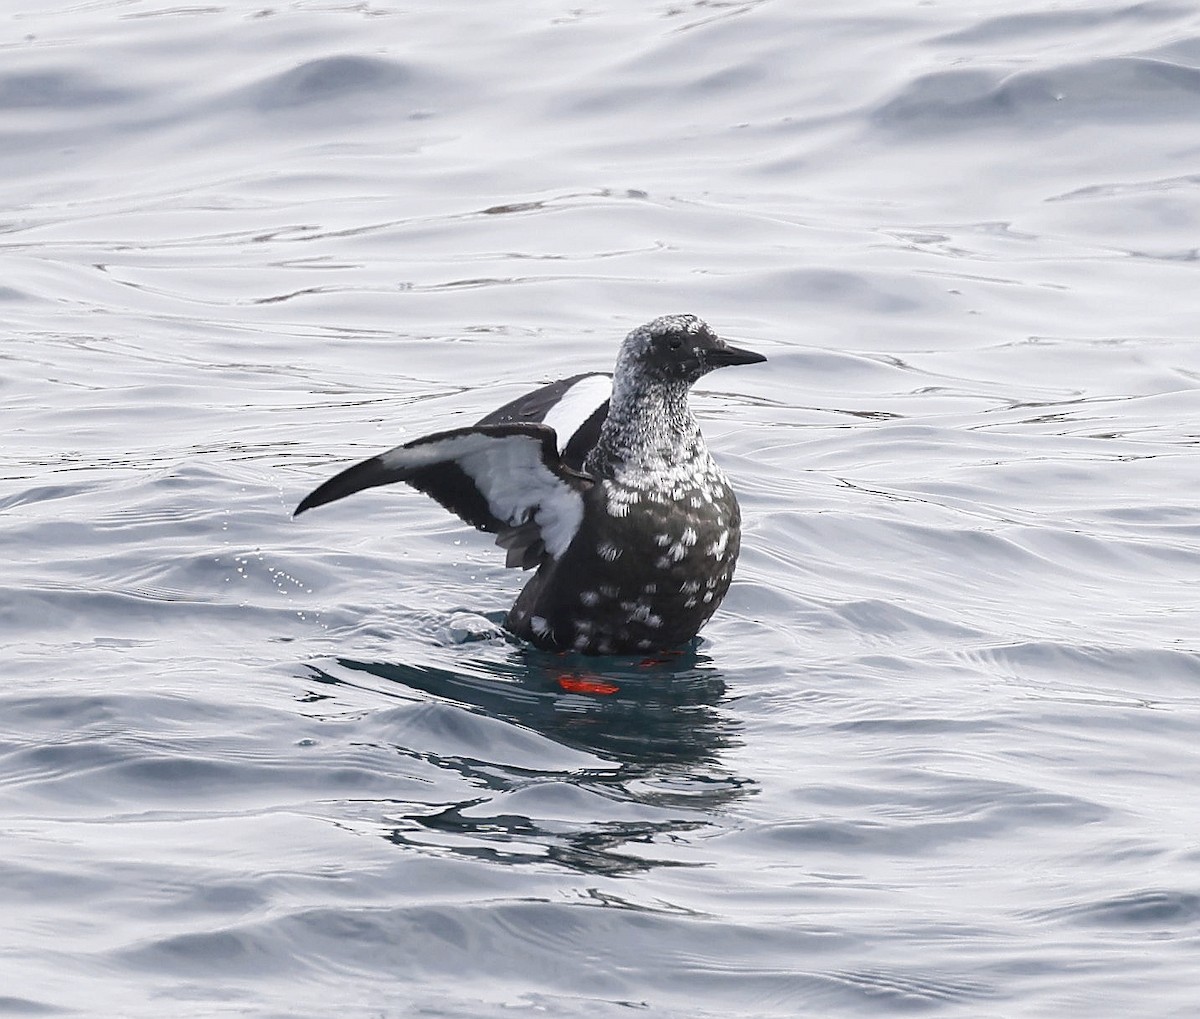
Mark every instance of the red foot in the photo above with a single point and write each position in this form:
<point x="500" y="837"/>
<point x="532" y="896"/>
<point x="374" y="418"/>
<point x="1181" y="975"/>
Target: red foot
<point x="578" y="684"/>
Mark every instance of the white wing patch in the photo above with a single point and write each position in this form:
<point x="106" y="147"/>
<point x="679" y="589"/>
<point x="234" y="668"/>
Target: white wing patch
<point x="578" y="404"/>
<point x="509" y="473"/>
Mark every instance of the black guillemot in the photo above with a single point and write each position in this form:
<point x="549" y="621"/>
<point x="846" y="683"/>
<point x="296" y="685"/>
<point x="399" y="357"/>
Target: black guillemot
<point x="604" y="484"/>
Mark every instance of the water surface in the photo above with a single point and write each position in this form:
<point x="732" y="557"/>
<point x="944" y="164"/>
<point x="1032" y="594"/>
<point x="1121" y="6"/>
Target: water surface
<point x="935" y="755"/>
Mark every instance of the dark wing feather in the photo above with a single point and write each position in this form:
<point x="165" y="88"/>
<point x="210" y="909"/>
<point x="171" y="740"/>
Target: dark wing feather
<point x="533" y="406"/>
<point x="454" y="490"/>
<point x="575" y="407"/>
<point x="507" y="479"/>
<point x="580" y="444"/>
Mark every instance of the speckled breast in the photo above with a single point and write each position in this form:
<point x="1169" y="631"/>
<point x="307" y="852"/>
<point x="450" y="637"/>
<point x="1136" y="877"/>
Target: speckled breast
<point x="648" y="567"/>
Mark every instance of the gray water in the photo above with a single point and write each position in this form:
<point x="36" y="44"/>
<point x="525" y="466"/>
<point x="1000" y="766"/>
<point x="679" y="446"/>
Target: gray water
<point x="936" y="755"/>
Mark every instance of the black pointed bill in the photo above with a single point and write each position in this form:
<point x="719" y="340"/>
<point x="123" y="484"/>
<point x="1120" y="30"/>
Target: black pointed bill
<point x="723" y="357"/>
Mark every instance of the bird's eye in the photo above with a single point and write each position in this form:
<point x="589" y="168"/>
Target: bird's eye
<point x="676" y="343"/>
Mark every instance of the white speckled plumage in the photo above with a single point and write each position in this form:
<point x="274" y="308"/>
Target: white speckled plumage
<point x="624" y="545"/>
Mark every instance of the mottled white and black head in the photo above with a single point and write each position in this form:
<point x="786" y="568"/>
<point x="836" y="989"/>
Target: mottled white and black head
<point x="649" y="425"/>
<point x="677" y="349"/>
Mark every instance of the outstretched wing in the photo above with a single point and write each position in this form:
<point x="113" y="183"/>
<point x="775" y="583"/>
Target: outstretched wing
<point x="507" y="479"/>
<point x="575" y="408"/>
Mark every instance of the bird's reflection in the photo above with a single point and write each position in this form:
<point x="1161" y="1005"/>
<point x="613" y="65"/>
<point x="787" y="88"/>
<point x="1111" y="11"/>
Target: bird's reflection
<point x="656" y="710"/>
<point x="656" y="724"/>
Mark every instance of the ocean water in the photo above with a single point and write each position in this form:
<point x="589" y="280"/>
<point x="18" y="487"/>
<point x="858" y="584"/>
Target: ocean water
<point x="936" y="755"/>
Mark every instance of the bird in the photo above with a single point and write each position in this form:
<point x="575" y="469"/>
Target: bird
<point x="601" y="483"/>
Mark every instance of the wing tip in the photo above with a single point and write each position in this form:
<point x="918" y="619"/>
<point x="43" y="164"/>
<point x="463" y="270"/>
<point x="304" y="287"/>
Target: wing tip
<point x="366" y="474"/>
<point x="310" y="501"/>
